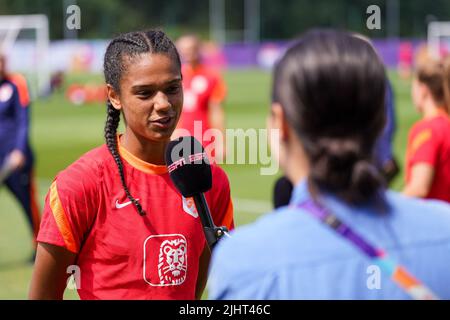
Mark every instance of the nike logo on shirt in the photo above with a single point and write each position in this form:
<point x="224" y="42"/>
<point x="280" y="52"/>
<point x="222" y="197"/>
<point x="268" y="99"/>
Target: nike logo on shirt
<point x="122" y="205"/>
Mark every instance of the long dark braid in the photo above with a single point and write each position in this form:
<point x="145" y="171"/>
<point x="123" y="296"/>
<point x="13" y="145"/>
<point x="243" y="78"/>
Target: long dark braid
<point x="130" y="45"/>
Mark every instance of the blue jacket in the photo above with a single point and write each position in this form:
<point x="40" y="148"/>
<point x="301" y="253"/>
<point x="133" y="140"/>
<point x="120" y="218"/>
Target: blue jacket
<point x="14" y="119"/>
<point x="288" y="254"/>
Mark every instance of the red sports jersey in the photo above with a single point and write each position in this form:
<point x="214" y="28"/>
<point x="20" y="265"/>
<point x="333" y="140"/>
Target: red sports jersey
<point x="429" y="142"/>
<point x="200" y="87"/>
<point x="122" y="255"/>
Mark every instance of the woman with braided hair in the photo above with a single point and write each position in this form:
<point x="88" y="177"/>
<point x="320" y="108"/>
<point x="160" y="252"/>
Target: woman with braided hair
<point x="114" y="216"/>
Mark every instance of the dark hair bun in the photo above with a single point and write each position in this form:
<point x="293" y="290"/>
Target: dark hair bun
<point x="365" y="181"/>
<point x="338" y="165"/>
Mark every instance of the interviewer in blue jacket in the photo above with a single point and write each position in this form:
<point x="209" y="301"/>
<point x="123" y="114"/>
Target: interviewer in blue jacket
<point x="342" y="236"/>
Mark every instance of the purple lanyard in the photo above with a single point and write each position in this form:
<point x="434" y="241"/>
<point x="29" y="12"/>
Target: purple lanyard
<point x="341" y="228"/>
<point x="410" y="284"/>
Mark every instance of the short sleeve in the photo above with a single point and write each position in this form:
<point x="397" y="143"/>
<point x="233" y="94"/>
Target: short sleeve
<point x="221" y="203"/>
<point x="423" y="147"/>
<point x="70" y="208"/>
<point x="219" y="91"/>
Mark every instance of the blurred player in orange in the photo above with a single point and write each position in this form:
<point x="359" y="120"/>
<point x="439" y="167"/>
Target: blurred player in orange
<point x="16" y="156"/>
<point x="428" y="151"/>
<point x="115" y="212"/>
<point x="204" y="94"/>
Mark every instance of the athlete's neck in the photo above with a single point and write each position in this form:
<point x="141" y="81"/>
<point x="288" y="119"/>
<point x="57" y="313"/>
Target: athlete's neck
<point x="148" y="151"/>
<point x="431" y="110"/>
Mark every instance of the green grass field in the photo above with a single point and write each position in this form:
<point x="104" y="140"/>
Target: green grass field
<point x="62" y="132"/>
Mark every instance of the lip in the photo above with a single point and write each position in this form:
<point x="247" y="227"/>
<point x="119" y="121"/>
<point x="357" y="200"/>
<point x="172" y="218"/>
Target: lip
<point x="163" y="122"/>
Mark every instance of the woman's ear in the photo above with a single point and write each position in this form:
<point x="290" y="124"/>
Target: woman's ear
<point x="113" y="97"/>
<point x="277" y="120"/>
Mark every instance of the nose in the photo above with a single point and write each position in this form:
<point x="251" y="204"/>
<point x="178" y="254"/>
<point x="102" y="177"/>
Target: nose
<point x="161" y="102"/>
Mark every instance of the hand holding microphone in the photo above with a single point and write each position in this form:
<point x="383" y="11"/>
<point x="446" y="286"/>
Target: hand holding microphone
<point x="190" y="171"/>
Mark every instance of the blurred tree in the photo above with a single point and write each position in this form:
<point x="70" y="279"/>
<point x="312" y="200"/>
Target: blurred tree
<point x="280" y="19"/>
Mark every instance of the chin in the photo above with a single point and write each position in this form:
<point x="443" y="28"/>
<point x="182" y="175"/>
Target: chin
<point x="159" y="136"/>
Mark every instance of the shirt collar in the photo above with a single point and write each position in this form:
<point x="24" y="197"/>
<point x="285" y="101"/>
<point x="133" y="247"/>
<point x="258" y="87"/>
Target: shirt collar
<point x="138" y="163"/>
<point x="300" y="192"/>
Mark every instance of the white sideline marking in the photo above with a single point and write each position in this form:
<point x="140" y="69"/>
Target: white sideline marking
<point x="252" y="206"/>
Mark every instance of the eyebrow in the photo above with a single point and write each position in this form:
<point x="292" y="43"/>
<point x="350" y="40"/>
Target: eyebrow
<point x="146" y="86"/>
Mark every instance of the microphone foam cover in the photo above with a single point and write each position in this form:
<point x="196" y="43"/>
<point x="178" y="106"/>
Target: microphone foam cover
<point x="188" y="166"/>
<point x="282" y="192"/>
